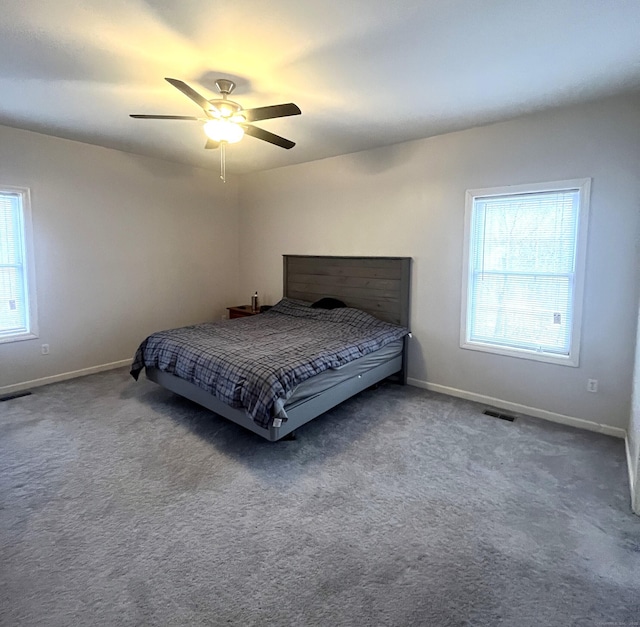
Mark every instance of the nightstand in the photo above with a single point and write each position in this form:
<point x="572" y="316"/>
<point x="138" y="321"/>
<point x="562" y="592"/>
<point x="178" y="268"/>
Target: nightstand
<point x="241" y="311"/>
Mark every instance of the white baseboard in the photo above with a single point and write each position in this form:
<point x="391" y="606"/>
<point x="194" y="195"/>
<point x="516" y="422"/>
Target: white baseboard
<point x="635" y="506"/>
<point x="520" y="409"/>
<point x="17" y="387"/>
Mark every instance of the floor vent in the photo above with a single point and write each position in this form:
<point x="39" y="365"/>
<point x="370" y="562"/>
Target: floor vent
<point x="497" y="414"/>
<point x="10" y="397"/>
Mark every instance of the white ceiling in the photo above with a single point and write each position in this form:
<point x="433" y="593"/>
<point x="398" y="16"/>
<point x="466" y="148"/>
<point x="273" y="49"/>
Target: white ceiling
<point x="365" y="73"/>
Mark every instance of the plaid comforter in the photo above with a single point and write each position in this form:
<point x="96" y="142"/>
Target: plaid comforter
<point x="256" y="362"/>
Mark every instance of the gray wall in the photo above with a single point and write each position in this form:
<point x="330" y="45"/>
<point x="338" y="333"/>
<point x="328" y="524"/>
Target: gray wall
<point x="408" y="200"/>
<point x="124" y="245"/>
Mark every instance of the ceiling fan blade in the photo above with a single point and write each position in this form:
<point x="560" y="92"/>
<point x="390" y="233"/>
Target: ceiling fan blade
<point x="211" y="144"/>
<point x="141" y="116"/>
<point x="273" y="111"/>
<point x="189" y="92"/>
<point x="260" y="133"/>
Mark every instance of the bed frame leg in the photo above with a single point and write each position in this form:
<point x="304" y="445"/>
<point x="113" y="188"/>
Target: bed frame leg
<point x="289" y="437"/>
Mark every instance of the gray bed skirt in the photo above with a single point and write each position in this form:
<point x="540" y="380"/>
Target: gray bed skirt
<point x="298" y="412"/>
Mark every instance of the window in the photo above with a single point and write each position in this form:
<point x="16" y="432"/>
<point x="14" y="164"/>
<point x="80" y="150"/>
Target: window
<point x="17" y="285"/>
<point x="523" y="273"/>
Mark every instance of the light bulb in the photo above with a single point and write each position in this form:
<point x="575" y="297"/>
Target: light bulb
<point x="223" y="131"/>
<point x="226" y="110"/>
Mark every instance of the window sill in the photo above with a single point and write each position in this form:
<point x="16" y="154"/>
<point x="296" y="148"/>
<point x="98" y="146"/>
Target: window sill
<point x="18" y="337"/>
<point x="521" y="353"/>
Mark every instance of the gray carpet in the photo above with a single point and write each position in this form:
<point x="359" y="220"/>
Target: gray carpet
<point x="122" y="504"/>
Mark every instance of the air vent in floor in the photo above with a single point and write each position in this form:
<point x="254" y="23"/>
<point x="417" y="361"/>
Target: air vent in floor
<point x="10" y="397"/>
<point x="497" y="414"/>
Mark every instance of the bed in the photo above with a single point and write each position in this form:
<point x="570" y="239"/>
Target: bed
<point x="324" y="356"/>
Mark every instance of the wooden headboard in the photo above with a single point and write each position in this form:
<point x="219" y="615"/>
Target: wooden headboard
<point x="377" y="285"/>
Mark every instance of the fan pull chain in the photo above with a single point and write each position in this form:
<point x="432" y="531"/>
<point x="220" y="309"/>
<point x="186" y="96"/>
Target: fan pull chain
<point x="223" y="162"/>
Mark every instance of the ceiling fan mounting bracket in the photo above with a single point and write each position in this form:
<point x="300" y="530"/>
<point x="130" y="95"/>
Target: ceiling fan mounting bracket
<point x="225" y="86"/>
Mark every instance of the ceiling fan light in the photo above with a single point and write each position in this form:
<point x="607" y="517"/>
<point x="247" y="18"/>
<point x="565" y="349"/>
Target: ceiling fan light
<point x="226" y="110"/>
<point x="223" y="131"/>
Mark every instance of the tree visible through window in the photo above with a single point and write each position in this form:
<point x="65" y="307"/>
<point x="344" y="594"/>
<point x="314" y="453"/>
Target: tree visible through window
<point x="523" y="273"/>
<point x="17" y="299"/>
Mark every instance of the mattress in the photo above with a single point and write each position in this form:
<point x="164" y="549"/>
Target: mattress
<point x="334" y="376"/>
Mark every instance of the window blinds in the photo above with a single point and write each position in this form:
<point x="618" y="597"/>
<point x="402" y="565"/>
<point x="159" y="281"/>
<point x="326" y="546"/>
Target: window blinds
<point x="522" y="269"/>
<point x="14" y="306"/>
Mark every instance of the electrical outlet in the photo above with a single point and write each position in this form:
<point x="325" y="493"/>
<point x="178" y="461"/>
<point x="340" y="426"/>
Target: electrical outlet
<point x="45" y="349"/>
<point x="592" y="385"/>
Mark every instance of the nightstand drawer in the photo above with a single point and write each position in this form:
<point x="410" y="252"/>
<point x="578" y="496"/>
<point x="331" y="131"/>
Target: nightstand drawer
<point x="241" y="311"/>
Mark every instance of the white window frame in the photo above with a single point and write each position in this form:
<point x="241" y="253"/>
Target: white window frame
<point x="583" y="186"/>
<point x="28" y="266"/>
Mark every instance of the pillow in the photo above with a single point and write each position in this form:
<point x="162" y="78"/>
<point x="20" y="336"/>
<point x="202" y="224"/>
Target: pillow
<point x="328" y="303"/>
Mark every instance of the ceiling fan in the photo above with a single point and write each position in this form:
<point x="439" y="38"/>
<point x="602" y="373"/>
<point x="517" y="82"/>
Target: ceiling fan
<point x="225" y="121"/>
